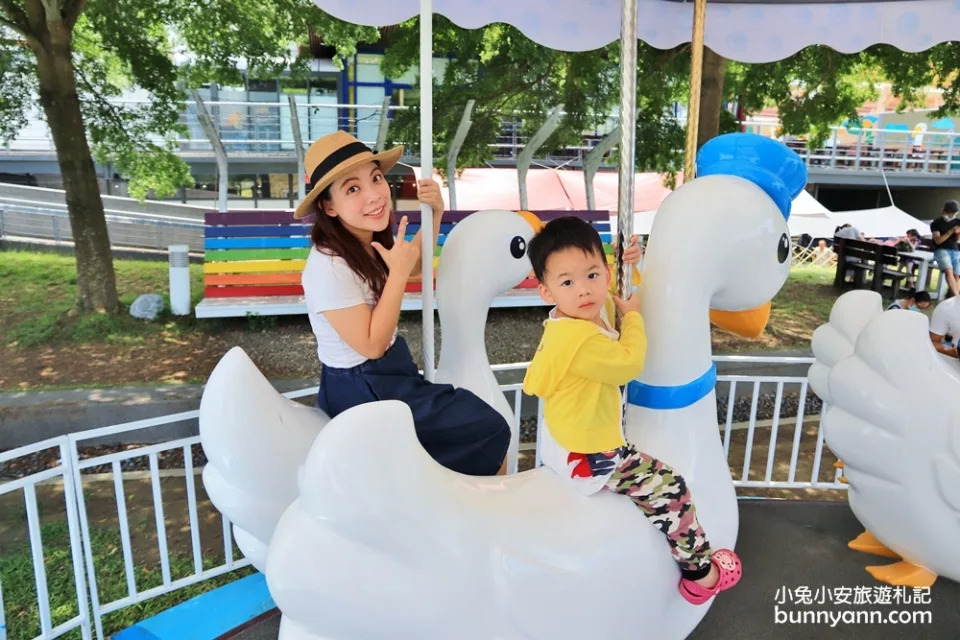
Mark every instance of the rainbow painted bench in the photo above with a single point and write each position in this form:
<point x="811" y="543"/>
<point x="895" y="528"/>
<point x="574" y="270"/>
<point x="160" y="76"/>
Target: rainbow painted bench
<point x="253" y="260"/>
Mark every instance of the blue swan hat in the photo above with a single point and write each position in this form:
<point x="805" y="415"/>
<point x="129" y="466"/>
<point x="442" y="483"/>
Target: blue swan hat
<point x="766" y="162"/>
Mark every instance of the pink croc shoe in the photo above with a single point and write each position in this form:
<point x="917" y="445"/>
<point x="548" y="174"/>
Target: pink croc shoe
<point x="730" y="571"/>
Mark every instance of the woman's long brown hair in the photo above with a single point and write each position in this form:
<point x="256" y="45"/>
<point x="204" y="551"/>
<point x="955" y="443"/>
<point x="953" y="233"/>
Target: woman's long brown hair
<point x="329" y="234"/>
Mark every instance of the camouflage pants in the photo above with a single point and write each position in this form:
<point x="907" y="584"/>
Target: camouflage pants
<point x="662" y="495"/>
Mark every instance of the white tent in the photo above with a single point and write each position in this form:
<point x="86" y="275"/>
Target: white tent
<point x="805" y="205"/>
<point x="808" y="216"/>
<point x="885" y="222"/>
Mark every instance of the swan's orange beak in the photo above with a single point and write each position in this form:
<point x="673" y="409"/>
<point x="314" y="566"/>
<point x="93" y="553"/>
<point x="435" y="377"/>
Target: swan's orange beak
<point x="532" y="220"/>
<point x="746" y="324"/>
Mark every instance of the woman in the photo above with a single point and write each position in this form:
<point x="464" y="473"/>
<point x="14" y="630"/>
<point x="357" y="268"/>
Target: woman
<point x="353" y="283"/>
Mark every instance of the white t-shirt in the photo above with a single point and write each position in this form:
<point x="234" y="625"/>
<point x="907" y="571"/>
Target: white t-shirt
<point x="329" y="284"/>
<point x="556" y="457"/>
<point x="946" y="318"/>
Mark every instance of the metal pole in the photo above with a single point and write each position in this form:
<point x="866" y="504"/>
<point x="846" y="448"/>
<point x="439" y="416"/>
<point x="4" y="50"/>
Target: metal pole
<point x="592" y="162"/>
<point x="696" y="75"/>
<point x="628" y="135"/>
<point x="454" y="151"/>
<point x="949" y="167"/>
<point x="883" y="149"/>
<point x="523" y="160"/>
<point x="426" y="171"/>
<point x="833" y="154"/>
<point x="907" y="143"/>
<point x="384" y="125"/>
<point x="887" y="185"/>
<point x="298" y="144"/>
<point x="211" y="130"/>
<point x="856" y="163"/>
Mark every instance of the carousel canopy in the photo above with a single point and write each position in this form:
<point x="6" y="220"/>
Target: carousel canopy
<point x="744" y="30"/>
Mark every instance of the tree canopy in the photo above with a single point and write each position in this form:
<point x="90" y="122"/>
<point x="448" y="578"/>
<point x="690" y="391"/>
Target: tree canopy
<point x="69" y="58"/>
<point x="509" y="75"/>
<point x="121" y="45"/>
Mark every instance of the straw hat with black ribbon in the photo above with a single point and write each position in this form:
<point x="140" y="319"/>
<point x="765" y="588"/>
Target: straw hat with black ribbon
<point x="334" y="155"/>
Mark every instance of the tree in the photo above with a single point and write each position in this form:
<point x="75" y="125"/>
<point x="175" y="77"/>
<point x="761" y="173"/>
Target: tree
<point x="813" y="90"/>
<point x="818" y="87"/>
<point x="71" y="57"/>
<point x="937" y="67"/>
<point x="513" y="78"/>
<point x="711" y="96"/>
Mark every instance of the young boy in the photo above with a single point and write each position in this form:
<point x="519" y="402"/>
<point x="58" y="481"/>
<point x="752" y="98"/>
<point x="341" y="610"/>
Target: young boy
<point x="578" y="370"/>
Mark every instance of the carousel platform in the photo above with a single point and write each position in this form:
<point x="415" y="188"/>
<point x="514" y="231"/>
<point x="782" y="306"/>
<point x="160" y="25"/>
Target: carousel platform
<point x="800" y="582"/>
<point x="789" y="547"/>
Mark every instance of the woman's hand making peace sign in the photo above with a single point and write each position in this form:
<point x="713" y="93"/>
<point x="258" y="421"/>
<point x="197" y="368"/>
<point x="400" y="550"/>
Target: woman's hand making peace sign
<point x="404" y="255"/>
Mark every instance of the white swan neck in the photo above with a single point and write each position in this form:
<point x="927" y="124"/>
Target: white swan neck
<point x="679" y="348"/>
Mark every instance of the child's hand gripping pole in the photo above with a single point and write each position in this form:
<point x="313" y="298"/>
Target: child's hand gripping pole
<point x="627" y="273"/>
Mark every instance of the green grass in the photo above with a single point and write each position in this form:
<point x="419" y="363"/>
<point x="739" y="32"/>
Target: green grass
<point x="813" y="275"/>
<point x="39" y="291"/>
<point x="39" y="288"/>
<point x="808" y="290"/>
<point x="19" y="589"/>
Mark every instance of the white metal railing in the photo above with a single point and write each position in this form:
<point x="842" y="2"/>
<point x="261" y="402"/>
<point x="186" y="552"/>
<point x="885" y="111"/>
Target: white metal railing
<point x="266" y="129"/>
<point x="169" y="584"/>
<point x="74" y="474"/>
<point x="62" y="472"/>
<point x="125" y="229"/>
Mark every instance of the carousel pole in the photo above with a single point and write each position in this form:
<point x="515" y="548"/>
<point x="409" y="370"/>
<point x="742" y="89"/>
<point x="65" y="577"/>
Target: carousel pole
<point x="628" y="135"/>
<point x="426" y="171"/>
<point x="696" y="75"/>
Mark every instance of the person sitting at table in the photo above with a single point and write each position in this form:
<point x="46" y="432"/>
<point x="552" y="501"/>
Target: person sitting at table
<point x="907" y="244"/>
<point x="848" y="232"/>
<point x="915" y="301"/>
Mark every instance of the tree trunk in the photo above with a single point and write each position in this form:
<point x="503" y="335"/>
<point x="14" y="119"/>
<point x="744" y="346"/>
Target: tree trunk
<point x="96" y="283"/>
<point x="711" y="95"/>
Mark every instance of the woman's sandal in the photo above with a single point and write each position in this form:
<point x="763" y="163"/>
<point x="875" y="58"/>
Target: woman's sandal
<point x="730" y="571"/>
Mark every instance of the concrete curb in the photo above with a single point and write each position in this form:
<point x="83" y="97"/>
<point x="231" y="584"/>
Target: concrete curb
<point x="31" y="416"/>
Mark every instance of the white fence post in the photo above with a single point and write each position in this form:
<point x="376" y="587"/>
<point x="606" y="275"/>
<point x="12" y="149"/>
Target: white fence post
<point x="28" y="484"/>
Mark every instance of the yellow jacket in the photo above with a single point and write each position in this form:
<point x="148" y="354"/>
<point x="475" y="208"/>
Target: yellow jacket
<point x="578" y="370"/>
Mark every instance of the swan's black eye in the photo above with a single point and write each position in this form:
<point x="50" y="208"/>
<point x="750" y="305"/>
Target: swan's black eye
<point x="783" y="250"/>
<point x="518" y="247"/>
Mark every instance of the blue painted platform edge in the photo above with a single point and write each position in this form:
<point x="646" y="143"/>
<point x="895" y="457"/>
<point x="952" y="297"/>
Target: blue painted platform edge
<point x="208" y="615"/>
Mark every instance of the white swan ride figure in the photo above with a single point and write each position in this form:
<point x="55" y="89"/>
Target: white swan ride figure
<point x="376" y="540"/>
<point x="890" y="402"/>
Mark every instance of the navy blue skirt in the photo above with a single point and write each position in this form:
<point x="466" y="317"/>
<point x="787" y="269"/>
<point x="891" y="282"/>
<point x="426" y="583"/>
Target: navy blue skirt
<point x="457" y="428"/>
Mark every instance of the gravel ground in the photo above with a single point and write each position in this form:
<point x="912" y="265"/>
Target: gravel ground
<point x="288" y="349"/>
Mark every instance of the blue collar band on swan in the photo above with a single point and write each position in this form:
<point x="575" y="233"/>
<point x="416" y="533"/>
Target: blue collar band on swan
<point x="777" y="170"/>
